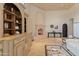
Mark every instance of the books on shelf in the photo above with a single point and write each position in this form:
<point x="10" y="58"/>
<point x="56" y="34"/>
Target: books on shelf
<point x="6" y="26"/>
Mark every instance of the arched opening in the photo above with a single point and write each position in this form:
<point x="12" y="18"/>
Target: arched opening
<point x="12" y="20"/>
<point x="13" y="8"/>
<point x="65" y="30"/>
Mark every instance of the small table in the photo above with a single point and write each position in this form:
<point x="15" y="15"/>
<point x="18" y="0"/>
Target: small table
<point x="54" y="33"/>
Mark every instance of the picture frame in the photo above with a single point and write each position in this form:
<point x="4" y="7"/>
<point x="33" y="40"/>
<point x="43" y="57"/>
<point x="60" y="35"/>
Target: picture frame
<point x="52" y="26"/>
<point x="56" y="27"/>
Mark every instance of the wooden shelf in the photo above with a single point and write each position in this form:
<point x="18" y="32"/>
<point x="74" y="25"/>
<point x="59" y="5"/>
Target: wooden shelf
<point x="18" y="23"/>
<point x="17" y="16"/>
<point x="10" y="18"/>
<point x="17" y="29"/>
<point x="9" y="29"/>
<point x="7" y="11"/>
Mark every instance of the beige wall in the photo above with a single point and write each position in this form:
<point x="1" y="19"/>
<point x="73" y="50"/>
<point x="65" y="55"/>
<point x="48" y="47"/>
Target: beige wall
<point x="74" y="13"/>
<point x="62" y="16"/>
<point x="57" y="18"/>
<point x="36" y="17"/>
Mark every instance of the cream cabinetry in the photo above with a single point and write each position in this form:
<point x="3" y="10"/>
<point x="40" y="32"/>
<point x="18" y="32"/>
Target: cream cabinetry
<point x="18" y="46"/>
<point x="8" y="48"/>
<point x="1" y="48"/>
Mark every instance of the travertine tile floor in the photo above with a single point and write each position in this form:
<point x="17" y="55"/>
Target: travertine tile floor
<point x="38" y="45"/>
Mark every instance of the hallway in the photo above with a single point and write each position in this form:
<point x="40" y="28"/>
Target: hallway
<point x="38" y="46"/>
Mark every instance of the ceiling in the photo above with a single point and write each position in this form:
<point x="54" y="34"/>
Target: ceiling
<point x="54" y="6"/>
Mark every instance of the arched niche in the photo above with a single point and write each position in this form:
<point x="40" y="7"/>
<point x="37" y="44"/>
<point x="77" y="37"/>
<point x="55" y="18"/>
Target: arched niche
<point x="12" y="23"/>
<point x="13" y="8"/>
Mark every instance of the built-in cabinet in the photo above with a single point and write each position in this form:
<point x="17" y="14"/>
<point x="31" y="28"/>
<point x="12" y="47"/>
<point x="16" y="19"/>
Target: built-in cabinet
<point x="19" y="48"/>
<point x="1" y="50"/>
<point x="12" y="20"/>
<point x="19" y="45"/>
<point x="11" y="44"/>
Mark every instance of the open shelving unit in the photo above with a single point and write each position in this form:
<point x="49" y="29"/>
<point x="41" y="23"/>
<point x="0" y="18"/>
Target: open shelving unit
<point x="12" y="20"/>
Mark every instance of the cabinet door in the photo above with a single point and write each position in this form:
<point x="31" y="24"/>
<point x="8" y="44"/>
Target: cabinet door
<point x="19" y="49"/>
<point x="8" y="48"/>
<point x="1" y="49"/>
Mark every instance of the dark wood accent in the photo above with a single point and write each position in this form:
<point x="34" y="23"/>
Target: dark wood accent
<point x="12" y="18"/>
<point x="54" y="33"/>
<point x="64" y="30"/>
<point x="45" y="50"/>
<point x="25" y="25"/>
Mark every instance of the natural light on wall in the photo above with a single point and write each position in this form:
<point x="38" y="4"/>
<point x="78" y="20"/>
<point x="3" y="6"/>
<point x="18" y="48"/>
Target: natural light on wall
<point x="76" y="28"/>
